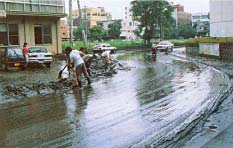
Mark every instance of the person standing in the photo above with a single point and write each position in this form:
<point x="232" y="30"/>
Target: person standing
<point x="76" y="62"/>
<point x="26" y="52"/>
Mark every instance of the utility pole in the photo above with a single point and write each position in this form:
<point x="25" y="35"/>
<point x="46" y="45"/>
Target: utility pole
<point x="71" y="24"/>
<point x="82" y="24"/>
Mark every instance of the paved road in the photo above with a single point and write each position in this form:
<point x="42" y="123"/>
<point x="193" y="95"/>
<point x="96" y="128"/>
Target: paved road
<point x="144" y="106"/>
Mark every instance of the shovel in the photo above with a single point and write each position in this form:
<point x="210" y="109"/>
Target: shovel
<point x="61" y="71"/>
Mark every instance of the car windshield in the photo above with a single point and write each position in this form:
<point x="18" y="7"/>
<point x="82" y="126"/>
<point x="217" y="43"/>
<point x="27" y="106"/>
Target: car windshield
<point x="37" y="49"/>
<point x="14" y="52"/>
<point x="164" y="43"/>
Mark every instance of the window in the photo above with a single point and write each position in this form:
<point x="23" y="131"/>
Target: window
<point x="9" y="34"/>
<point x="13" y="34"/>
<point x="43" y="34"/>
<point x="3" y="34"/>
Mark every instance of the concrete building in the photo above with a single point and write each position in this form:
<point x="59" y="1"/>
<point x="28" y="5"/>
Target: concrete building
<point x="181" y="16"/>
<point x="34" y="22"/>
<point x="202" y="23"/>
<point x="64" y="30"/>
<point x="221" y="18"/>
<point x="128" y="25"/>
<point x="93" y="15"/>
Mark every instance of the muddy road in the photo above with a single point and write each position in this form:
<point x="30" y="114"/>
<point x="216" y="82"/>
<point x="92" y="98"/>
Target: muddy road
<point x="153" y="104"/>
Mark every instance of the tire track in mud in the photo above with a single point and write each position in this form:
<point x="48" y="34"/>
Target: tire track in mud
<point x="180" y="137"/>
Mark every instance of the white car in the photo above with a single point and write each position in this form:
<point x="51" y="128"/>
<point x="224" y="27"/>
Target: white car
<point x="164" y="46"/>
<point x="40" y="55"/>
<point x="101" y="47"/>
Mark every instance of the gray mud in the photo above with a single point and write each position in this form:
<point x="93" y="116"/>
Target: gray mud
<point x="20" y="89"/>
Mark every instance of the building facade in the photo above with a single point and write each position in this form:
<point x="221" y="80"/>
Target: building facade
<point x="201" y="22"/>
<point x="221" y="18"/>
<point x="64" y="30"/>
<point x="128" y="25"/>
<point x="35" y="22"/>
<point x="181" y="17"/>
<point x="92" y="15"/>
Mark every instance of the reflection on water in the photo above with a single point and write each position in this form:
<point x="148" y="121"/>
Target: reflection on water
<point x="130" y="108"/>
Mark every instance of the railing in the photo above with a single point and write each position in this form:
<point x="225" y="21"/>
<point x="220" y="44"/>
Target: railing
<point x="37" y="6"/>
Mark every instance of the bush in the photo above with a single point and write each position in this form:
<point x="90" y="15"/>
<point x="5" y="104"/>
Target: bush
<point x="196" y="41"/>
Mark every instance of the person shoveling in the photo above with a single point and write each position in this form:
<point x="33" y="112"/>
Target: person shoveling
<point x="77" y="66"/>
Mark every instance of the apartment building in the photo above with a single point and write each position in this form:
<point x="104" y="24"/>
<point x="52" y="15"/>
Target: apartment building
<point x="181" y="17"/>
<point x="92" y="15"/>
<point x="128" y="25"/>
<point x="201" y="22"/>
<point x="36" y="22"/>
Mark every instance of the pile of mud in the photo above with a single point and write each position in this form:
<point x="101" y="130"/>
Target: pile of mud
<point x="41" y="88"/>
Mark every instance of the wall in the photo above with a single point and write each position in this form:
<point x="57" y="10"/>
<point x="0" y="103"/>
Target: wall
<point x="26" y="31"/>
<point x="221" y="18"/>
<point x="194" y="51"/>
<point x="223" y="51"/>
<point x="209" y="49"/>
<point x="226" y="51"/>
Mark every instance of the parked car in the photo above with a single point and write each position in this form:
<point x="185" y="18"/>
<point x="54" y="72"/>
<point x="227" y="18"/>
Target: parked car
<point x="12" y="57"/>
<point x="40" y="55"/>
<point x="101" y="47"/>
<point x="165" y="46"/>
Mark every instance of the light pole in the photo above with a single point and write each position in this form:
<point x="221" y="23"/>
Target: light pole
<point x="71" y="23"/>
<point x="84" y="35"/>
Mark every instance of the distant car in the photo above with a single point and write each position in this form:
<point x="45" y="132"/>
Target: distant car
<point x="40" y="55"/>
<point x="101" y="47"/>
<point x="165" y="46"/>
<point x="12" y="57"/>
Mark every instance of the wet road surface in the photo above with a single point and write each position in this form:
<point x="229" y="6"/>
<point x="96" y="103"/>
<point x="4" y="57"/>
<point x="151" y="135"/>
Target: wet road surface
<point x="142" y="107"/>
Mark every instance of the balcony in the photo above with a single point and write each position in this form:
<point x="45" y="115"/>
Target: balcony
<point x="33" y="7"/>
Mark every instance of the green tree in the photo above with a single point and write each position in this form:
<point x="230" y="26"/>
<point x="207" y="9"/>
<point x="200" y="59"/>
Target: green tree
<point x="78" y="33"/>
<point x="154" y="17"/>
<point x="97" y="32"/>
<point x="114" y="30"/>
<point x="186" y="31"/>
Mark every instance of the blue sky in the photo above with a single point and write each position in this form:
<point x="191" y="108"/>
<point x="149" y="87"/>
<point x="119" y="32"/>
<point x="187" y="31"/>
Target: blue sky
<point x="116" y="6"/>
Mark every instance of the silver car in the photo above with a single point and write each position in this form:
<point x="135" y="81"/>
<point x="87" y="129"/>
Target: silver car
<point x="165" y="46"/>
<point x="40" y="55"/>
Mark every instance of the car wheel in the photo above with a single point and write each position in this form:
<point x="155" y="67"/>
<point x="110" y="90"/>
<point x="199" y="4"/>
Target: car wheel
<point x="48" y="65"/>
<point x="6" y="67"/>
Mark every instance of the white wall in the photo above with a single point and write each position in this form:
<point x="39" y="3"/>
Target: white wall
<point x="221" y="18"/>
<point x="209" y="49"/>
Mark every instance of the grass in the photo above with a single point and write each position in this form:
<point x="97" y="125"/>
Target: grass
<point x="120" y="44"/>
<point x="116" y="43"/>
